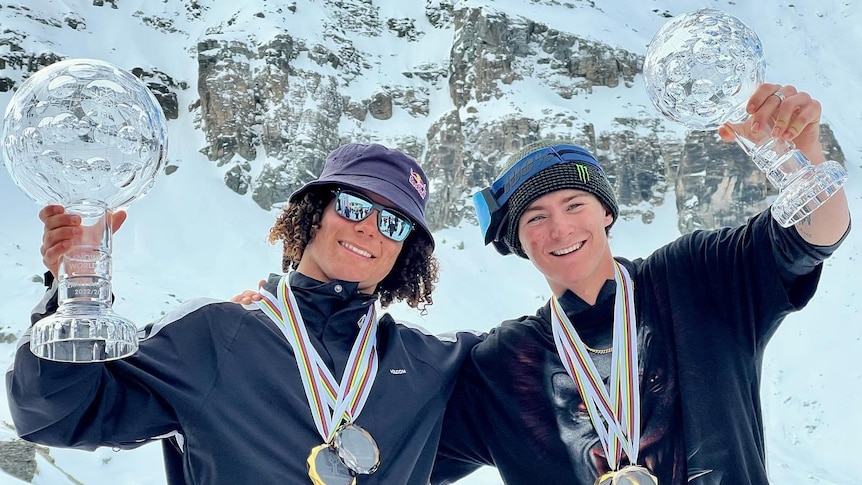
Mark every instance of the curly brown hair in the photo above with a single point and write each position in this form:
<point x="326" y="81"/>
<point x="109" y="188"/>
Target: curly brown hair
<point x="413" y="276"/>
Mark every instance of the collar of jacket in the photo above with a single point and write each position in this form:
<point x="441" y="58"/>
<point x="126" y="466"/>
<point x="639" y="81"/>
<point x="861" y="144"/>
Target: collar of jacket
<point x="331" y="310"/>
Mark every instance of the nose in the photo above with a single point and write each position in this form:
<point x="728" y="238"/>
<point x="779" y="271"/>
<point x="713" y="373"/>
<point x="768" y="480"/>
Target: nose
<point x="369" y="224"/>
<point x="560" y="227"/>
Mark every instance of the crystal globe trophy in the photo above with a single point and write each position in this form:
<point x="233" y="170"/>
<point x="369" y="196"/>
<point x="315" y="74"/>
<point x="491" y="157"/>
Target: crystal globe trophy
<point x="89" y="136"/>
<point x="700" y="69"/>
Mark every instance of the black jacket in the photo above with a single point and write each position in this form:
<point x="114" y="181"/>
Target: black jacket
<point x="707" y="305"/>
<point x="220" y="381"/>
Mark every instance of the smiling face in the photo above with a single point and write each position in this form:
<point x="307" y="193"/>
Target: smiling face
<point x="563" y="234"/>
<point x="350" y="251"/>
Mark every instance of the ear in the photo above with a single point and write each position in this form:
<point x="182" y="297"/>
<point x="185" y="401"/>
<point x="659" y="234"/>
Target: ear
<point x="609" y="217"/>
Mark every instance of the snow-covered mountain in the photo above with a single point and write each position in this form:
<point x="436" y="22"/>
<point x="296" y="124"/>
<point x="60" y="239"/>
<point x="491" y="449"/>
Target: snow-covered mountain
<point x="256" y="93"/>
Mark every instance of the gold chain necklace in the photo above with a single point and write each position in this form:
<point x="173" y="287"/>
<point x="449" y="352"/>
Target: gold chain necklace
<point x="599" y="351"/>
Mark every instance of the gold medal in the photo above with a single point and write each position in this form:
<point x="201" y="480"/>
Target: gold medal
<point x="606" y="479"/>
<point x="326" y="468"/>
<point x="357" y="449"/>
<point x="630" y="475"/>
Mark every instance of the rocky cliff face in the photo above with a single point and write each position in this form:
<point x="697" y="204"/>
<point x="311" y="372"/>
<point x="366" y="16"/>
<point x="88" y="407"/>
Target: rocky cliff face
<point x="272" y="107"/>
<point x="259" y="99"/>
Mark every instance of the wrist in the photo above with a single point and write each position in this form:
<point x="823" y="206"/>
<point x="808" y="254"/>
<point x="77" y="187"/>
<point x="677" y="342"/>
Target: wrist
<point x="814" y="152"/>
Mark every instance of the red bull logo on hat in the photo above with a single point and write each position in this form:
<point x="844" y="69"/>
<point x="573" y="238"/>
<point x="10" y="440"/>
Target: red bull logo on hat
<point x="418" y="184"/>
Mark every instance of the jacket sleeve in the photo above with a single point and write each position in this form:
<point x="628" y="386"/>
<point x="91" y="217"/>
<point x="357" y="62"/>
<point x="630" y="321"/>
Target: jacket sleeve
<point x="754" y="274"/>
<point x="460" y="452"/>
<point x="48" y="305"/>
<point x="796" y="257"/>
<point x="467" y="421"/>
<point x="122" y="403"/>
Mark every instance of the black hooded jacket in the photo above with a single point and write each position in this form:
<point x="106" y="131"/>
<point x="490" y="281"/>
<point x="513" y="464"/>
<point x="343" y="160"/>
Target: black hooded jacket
<point x="707" y="304"/>
<point x="217" y="383"/>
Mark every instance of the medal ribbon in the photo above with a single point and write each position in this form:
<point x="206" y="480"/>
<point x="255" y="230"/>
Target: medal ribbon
<point x="330" y="402"/>
<point x="620" y="430"/>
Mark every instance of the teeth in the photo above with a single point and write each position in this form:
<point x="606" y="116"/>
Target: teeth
<point x="572" y="248"/>
<point x="356" y="250"/>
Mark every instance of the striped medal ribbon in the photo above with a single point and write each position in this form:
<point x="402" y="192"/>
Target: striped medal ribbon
<point x="334" y="406"/>
<point x="615" y="415"/>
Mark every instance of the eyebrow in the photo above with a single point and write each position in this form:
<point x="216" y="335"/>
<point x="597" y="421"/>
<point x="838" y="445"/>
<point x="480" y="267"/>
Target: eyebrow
<point x="536" y="207"/>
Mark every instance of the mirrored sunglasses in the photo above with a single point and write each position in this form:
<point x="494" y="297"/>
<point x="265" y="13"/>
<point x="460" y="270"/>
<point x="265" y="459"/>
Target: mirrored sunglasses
<point x="357" y="207"/>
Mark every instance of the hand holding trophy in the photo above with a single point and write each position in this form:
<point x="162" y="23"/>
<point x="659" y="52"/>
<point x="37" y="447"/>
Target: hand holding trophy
<point x="89" y="136"/>
<point x="700" y="69"/>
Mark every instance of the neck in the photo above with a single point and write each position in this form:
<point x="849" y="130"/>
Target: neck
<point x="315" y="273"/>
<point x="587" y="289"/>
<point x="311" y="271"/>
<point x="587" y="293"/>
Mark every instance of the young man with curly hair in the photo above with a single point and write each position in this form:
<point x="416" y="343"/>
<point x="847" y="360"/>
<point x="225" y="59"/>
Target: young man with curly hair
<point x="278" y="393"/>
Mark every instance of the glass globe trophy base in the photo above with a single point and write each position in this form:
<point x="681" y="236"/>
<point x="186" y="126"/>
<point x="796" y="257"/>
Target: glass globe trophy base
<point x="802" y="187"/>
<point x="80" y="338"/>
<point x="807" y="192"/>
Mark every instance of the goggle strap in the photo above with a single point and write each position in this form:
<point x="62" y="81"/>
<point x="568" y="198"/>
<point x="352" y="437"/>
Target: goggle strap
<point x="561" y="154"/>
<point x="487" y="209"/>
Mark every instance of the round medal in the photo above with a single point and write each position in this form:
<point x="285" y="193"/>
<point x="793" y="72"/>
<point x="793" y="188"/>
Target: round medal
<point x="606" y="479"/>
<point x="635" y="475"/>
<point x="326" y="468"/>
<point x="357" y="449"/>
<point x="630" y="475"/>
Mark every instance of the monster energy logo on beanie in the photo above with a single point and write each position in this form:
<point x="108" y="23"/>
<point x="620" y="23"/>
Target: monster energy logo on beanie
<point x="583" y="173"/>
<point x="564" y="174"/>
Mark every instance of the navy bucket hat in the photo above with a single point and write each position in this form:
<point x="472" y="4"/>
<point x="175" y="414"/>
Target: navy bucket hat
<point x="380" y="170"/>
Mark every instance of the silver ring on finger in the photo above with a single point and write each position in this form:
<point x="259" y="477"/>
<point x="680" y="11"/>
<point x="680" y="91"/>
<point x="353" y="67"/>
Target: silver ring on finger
<point x="779" y="95"/>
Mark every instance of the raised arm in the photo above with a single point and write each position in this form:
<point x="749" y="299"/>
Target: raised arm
<point x="796" y="117"/>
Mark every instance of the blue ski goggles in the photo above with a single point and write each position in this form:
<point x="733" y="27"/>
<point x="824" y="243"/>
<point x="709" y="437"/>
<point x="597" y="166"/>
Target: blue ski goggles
<point x="490" y="202"/>
<point x="357" y="207"/>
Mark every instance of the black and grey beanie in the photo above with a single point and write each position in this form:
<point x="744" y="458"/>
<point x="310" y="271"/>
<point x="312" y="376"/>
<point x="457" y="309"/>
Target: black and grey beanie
<point x="589" y="177"/>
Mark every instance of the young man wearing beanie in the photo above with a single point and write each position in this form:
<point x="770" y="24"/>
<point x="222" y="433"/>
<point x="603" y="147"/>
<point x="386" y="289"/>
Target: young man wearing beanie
<point x="635" y="372"/>
<point x="280" y="393"/>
